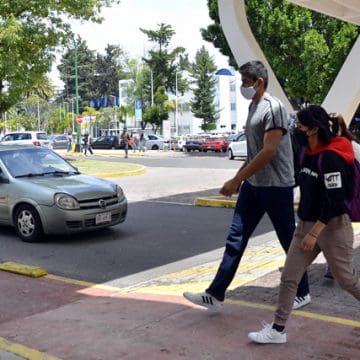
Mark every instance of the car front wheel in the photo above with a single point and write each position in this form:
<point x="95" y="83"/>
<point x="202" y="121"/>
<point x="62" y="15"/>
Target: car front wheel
<point x="230" y="155"/>
<point x="28" y="224"/>
<point x="154" y="147"/>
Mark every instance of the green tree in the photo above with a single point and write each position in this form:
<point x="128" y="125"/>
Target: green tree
<point x="202" y="103"/>
<point x="305" y="49"/>
<point x="159" y="111"/>
<point x="30" y="31"/>
<point x="163" y="63"/>
<point x="87" y="75"/>
<point x="110" y="68"/>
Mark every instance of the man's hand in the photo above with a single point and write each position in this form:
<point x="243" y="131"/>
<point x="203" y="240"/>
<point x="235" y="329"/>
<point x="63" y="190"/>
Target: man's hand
<point x="230" y="187"/>
<point x="308" y="243"/>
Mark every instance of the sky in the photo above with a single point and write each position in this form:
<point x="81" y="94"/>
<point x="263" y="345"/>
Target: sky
<point x="122" y="22"/>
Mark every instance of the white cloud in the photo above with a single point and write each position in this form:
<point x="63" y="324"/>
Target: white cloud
<point x="122" y="22"/>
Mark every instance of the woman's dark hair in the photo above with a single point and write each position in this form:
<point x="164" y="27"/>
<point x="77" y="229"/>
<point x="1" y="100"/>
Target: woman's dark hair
<point x="316" y="116"/>
<point x="341" y="127"/>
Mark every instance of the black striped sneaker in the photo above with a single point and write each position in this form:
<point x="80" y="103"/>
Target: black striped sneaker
<point x="301" y="301"/>
<point x="204" y="299"/>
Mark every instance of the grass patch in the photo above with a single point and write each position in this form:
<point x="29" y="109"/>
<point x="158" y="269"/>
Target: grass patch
<point x="91" y="167"/>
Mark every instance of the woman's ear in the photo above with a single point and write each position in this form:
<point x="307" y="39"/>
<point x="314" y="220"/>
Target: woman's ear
<point x="313" y="131"/>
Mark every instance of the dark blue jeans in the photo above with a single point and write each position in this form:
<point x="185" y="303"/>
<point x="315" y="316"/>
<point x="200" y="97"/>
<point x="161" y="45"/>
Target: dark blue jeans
<point x="253" y="202"/>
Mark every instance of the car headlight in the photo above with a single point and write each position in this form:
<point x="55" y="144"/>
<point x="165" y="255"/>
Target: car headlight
<point x="66" y="202"/>
<point x="119" y="193"/>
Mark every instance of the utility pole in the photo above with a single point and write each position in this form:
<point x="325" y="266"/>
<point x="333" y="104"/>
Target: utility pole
<point x="78" y="129"/>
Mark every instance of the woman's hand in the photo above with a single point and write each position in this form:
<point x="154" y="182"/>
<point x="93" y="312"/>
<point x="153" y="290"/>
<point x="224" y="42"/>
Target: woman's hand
<point x="308" y="242"/>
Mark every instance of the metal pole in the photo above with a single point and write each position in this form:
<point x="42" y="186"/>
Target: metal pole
<point x="38" y="114"/>
<point x="119" y="92"/>
<point x="176" y="103"/>
<point x="72" y="114"/>
<point x="77" y="147"/>
<point x="152" y="87"/>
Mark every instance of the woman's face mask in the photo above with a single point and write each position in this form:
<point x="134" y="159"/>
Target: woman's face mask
<point x="301" y="137"/>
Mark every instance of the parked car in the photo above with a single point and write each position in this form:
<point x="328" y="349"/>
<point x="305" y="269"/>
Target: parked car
<point x="109" y="142"/>
<point x="44" y="194"/>
<point x="58" y="141"/>
<point x="106" y="142"/>
<point x="37" y="138"/>
<point x="215" y="144"/>
<point x="154" y="142"/>
<point x="193" y="145"/>
<point x="238" y="147"/>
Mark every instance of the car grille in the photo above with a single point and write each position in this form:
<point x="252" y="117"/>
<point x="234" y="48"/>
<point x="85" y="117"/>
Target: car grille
<point x="96" y="203"/>
<point x="90" y="223"/>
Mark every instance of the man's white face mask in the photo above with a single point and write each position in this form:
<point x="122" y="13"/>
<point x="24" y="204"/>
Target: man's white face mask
<point x="247" y="92"/>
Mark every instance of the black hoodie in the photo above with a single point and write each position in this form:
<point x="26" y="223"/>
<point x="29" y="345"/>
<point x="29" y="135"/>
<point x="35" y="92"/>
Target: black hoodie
<point x="324" y="191"/>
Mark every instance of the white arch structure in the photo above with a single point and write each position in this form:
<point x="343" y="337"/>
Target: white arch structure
<point x="344" y="95"/>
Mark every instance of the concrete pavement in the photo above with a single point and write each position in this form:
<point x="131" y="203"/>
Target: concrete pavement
<point x="58" y="318"/>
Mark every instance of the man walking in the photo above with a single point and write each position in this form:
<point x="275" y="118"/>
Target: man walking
<point x="264" y="183"/>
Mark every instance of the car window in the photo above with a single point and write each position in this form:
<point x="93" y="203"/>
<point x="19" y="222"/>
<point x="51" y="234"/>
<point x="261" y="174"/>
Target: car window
<point x="41" y="136"/>
<point x="7" y="138"/>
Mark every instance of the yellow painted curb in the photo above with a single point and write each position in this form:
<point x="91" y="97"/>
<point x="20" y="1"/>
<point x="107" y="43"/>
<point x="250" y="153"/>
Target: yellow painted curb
<point x="24" y="351"/>
<point x="141" y="170"/>
<point x="22" y="269"/>
<point x="213" y="202"/>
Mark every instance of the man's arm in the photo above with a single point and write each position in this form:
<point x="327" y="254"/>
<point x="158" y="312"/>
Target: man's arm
<point x="271" y="143"/>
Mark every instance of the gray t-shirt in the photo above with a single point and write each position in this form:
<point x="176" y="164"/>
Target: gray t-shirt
<point x="269" y="113"/>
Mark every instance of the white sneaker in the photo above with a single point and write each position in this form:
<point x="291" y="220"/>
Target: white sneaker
<point x="268" y="335"/>
<point x="301" y="301"/>
<point x="204" y="299"/>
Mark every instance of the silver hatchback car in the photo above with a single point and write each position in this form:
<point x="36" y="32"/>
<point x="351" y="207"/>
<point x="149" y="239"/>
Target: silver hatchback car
<point x="41" y="193"/>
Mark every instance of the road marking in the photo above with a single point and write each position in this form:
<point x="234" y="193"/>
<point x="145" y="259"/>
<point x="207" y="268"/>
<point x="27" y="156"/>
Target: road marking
<point x="306" y="314"/>
<point x="24" y="351"/>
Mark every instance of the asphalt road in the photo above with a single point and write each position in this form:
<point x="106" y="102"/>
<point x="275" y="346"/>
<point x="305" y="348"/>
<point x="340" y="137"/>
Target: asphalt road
<point x="162" y="227"/>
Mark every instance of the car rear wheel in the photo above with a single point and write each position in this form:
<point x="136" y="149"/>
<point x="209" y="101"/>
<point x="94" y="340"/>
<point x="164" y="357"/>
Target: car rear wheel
<point x="154" y="147"/>
<point x="230" y="155"/>
<point x="28" y="224"/>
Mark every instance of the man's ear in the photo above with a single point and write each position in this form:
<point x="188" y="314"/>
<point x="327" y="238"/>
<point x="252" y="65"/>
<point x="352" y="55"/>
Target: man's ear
<point x="261" y="83"/>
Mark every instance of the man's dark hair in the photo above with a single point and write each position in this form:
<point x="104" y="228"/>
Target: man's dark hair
<point x="254" y="70"/>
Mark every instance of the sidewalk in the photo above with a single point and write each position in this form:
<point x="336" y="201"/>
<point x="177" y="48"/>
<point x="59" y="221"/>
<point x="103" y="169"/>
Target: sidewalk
<point x="56" y="318"/>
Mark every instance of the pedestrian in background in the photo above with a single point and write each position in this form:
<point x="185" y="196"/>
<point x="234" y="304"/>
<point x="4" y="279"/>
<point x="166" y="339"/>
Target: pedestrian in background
<point x="265" y="183"/>
<point x="142" y="141"/>
<point x="86" y="144"/>
<point x="136" y="141"/>
<point x="69" y="141"/>
<point x="324" y="223"/>
<point x="125" y="138"/>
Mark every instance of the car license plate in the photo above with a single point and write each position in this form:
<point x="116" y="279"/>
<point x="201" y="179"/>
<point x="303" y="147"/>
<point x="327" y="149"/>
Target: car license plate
<point x="103" y="218"/>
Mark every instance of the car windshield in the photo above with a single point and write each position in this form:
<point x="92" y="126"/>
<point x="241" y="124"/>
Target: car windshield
<point x="35" y="162"/>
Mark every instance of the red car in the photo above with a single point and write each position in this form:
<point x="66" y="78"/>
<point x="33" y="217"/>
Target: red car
<point x="215" y="145"/>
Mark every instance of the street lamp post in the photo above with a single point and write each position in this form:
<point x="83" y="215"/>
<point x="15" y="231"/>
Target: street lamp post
<point x="78" y="129"/>
<point x="176" y="103"/>
<point x="38" y="114"/>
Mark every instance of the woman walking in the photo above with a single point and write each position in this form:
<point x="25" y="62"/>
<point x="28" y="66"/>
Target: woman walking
<point x="324" y="224"/>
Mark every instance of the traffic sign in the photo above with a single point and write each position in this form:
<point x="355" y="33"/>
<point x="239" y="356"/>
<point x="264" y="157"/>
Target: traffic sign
<point x="79" y="119"/>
